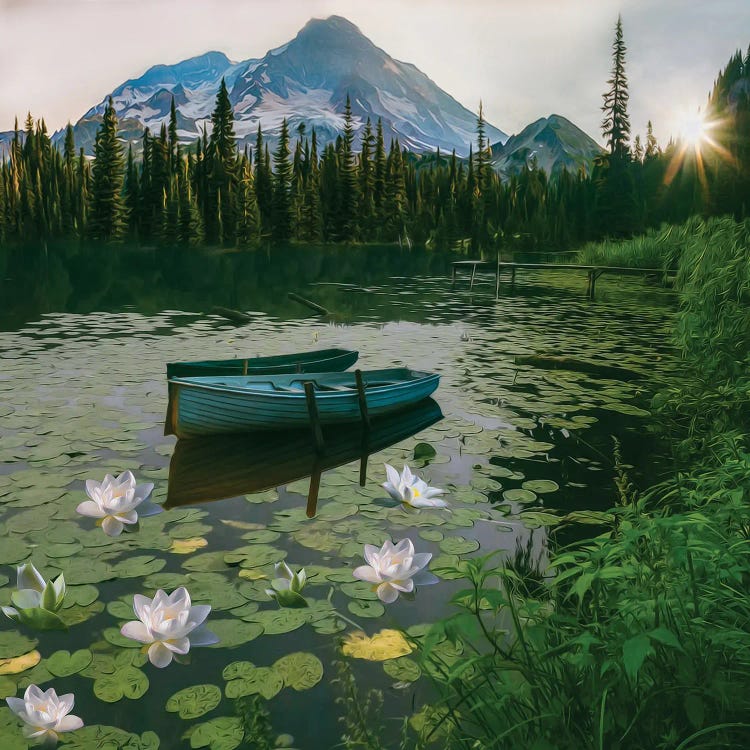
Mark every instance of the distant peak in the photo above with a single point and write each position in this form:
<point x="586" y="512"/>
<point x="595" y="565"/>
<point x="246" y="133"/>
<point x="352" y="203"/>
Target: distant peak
<point x="337" y="23"/>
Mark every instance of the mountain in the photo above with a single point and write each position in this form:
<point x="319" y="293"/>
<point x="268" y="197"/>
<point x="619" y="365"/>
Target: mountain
<point x="553" y="142"/>
<point x="306" y="81"/>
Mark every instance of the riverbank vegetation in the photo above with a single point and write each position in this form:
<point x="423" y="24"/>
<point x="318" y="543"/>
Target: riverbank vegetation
<point x="639" y="636"/>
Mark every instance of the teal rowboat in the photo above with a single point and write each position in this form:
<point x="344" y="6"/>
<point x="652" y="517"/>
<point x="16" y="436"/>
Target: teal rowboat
<point x="216" y="405"/>
<point x="324" y="360"/>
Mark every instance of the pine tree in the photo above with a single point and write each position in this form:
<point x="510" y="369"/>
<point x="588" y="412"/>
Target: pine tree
<point x="652" y="147"/>
<point x="282" y="180"/>
<point x="367" y="184"/>
<point x="248" y="226"/>
<point x="190" y="230"/>
<point x="106" y="217"/>
<point x="131" y="195"/>
<point x="263" y="182"/>
<point x="616" y="123"/>
<point x="223" y="178"/>
<point x="380" y="175"/>
<point x="616" y="205"/>
<point x="174" y="145"/>
<point x="311" y="221"/>
<point x="348" y="178"/>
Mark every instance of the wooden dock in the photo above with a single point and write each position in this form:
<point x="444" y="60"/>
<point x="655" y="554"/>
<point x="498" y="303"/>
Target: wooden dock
<point x="592" y="272"/>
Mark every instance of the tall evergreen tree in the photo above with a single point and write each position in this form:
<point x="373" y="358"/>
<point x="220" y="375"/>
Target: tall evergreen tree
<point x="223" y="178"/>
<point x="106" y="216"/>
<point x="174" y="145"/>
<point x="311" y="220"/>
<point x="367" y="184"/>
<point x="348" y="178"/>
<point x="616" y="204"/>
<point x="282" y="183"/>
<point x="616" y="122"/>
<point x="248" y="226"/>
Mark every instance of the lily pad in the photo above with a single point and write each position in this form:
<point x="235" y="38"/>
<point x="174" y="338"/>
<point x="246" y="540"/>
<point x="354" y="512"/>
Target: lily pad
<point x="81" y="595"/>
<point x="64" y="664"/>
<point x="17" y="664"/>
<point x="363" y="608"/>
<point x="233" y="633"/>
<point x="519" y="496"/>
<point x="254" y="556"/>
<point x="188" y="546"/>
<point x="195" y="701"/>
<point x="282" y="620"/>
<point x="300" y="670"/>
<point x="359" y="590"/>
<point x="7" y="687"/>
<point x="222" y="733"/>
<point x="386" y="644"/>
<point x="458" y="545"/>
<point x="541" y="486"/>
<point x="264" y="681"/>
<point x="13" y="644"/>
<point x="127" y="682"/>
<point x="403" y="669"/>
<point x="139" y="566"/>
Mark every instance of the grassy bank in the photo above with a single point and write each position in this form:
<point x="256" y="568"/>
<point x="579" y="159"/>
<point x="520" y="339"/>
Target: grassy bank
<point x="638" y="637"/>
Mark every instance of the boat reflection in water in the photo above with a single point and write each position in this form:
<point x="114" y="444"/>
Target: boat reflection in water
<point x="213" y="468"/>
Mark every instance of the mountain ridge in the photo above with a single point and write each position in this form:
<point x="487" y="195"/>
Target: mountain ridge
<point x="305" y="80"/>
<point x="552" y="143"/>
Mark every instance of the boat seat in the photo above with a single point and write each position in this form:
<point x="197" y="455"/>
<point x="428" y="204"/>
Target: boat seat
<point x="324" y="386"/>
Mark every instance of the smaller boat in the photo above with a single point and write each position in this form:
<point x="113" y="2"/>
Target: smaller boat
<point x="324" y="360"/>
<point x="216" y="405"/>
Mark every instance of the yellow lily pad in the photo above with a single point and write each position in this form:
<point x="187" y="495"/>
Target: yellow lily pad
<point x="20" y="663"/>
<point x="386" y="644"/>
<point x="186" y="546"/>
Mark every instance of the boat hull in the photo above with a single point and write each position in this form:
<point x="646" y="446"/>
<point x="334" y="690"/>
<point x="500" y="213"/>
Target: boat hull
<point x="324" y="360"/>
<point x="206" y="406"/>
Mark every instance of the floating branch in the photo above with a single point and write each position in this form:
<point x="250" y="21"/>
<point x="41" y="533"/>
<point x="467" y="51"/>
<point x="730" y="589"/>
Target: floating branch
<point x="319" y="309"/>
<point x="234" y="315"/>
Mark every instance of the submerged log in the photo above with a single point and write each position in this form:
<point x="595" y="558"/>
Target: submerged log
<point x="314" y="306"/>
<point x="578" y="365"/>
<point x="234" y="315"/>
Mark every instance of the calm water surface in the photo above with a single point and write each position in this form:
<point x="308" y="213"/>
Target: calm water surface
<point x="83" y="393"/>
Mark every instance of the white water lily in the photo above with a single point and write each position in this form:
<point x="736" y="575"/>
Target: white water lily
<point x="114" y="502"/>
<point x="169" y="625"/>
<point x="287" y="585"/>
<point x="407" y="488"/>
<point x="34" y="594"/>
<point x="45" y="714"/>
<point x="395" y="569"/>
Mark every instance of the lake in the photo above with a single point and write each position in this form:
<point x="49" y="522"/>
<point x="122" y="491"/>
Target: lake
<point x="83" y="347"/>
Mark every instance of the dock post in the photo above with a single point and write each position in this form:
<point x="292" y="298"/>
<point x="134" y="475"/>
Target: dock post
<point x="363" y="468"/>
<point x="312" y="495"/>
<point x="453" y="276"/>
<point x="513" y="277"/>
<point x="473" y="272"/>
<point x="312" y="410"/>
<point x="497" y="276"/>
<point x="362" y="398"/>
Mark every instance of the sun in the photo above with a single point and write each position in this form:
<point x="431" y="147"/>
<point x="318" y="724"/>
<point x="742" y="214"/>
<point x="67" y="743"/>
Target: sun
<point x="693" y="128"/>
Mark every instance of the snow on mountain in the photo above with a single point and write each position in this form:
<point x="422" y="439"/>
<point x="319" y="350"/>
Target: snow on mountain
<point x="306" y="81"/>
<point x="553" y="143"/>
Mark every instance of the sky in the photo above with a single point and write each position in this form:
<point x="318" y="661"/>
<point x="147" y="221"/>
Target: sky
<point x="524" y="59"/>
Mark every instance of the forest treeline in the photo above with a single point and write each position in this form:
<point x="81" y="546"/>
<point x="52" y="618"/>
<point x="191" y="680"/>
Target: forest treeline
<point x="214" y="195"/>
